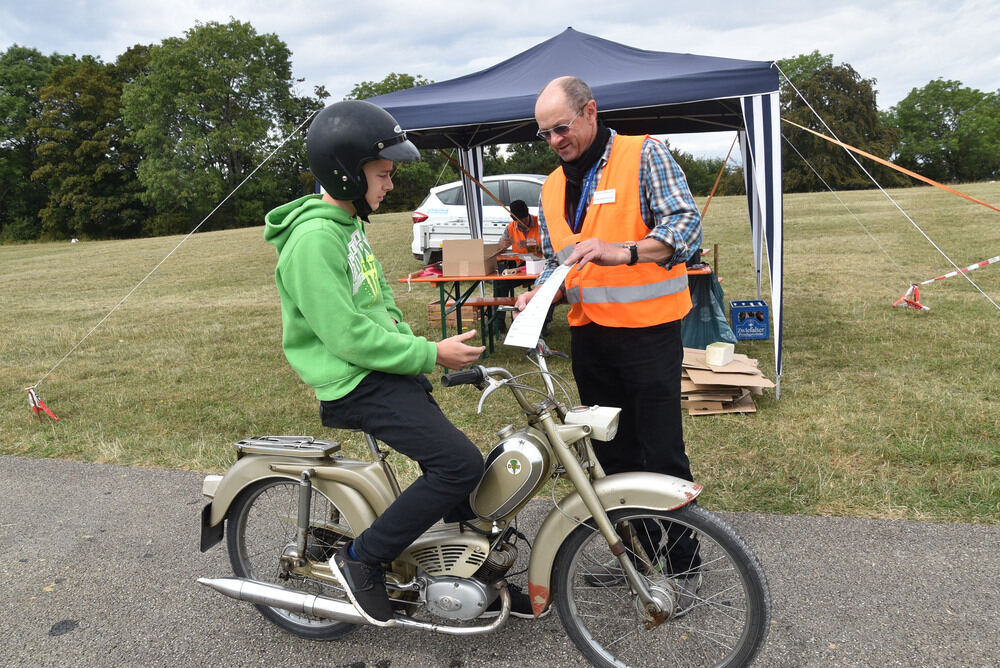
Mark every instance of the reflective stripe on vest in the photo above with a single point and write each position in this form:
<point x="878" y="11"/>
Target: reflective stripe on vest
<point x="627" y="294"/>
<point x="641" y="295"/>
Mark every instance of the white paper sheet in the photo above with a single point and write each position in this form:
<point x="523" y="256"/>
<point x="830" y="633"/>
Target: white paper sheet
<point x="527" y="326"/>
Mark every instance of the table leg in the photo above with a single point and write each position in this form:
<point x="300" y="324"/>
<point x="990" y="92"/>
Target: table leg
<point x="444" y="312"/>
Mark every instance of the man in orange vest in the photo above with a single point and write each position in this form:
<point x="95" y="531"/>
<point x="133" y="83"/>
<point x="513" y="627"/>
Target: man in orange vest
<point x="619" y="208"/>
<point x="521" y="236"/>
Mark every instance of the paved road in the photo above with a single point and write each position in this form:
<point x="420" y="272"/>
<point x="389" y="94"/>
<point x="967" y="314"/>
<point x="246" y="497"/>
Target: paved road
<point x="98" y="566"/>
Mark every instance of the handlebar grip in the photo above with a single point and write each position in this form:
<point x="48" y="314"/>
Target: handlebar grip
<point x="472" y="376"/>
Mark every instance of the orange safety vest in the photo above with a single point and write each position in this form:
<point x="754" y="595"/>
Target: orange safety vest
<point x="519" y="240"/>
<point x="642" y="295"/>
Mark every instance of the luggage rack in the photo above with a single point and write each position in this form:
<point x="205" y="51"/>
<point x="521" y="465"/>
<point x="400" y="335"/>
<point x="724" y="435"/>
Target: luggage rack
<point x="289" y="446"/>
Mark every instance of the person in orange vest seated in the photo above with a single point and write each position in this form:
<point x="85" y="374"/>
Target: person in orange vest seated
<point x="619" y="209"/>
<point x="521" y="236"/>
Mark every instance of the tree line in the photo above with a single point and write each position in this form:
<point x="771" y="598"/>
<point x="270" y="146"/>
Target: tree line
<point x="153" y="142"/>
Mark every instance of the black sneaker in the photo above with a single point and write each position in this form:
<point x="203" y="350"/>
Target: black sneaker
<point x="520" y="605"/>
<point x="365" y="586"/>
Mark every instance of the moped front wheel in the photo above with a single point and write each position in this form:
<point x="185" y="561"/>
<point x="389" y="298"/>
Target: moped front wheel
<point x="262" y="524"/>
<point x="694" y="561"/>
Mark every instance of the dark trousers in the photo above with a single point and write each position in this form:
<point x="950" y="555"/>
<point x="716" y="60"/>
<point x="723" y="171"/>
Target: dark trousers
<point x="400" y="411"/>
<point x="639" y="370"/>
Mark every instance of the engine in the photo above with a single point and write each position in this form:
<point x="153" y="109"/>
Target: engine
<point x="467" y="598"/>
<point x="457" y="598"/>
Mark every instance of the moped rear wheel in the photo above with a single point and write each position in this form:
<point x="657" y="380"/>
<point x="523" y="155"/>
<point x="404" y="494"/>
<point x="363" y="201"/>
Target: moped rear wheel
<point x="262" y="523"/>
<point x="726" y="621"/>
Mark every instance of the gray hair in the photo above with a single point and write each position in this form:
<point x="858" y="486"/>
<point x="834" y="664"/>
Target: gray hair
<point x="576" y="90"/>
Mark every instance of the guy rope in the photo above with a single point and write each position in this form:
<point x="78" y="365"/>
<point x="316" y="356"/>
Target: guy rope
<point x="37" y="405"/>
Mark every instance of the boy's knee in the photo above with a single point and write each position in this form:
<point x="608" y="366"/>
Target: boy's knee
<point x="472" y="467"/>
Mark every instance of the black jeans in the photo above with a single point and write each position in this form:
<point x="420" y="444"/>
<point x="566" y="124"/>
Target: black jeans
<point x="639" y="370"/>
<point x="400" y="411"/>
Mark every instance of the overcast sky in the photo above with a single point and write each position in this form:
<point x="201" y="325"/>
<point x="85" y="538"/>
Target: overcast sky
<point x="903" y="44"/>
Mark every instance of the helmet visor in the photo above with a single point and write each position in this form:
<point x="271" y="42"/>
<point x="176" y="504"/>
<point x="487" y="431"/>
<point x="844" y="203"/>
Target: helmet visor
<point x="397" y="149"/>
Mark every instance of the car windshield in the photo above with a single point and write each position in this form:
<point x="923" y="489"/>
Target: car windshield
<point x="456" y="196"/>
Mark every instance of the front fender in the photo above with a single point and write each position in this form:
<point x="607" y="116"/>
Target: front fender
<point x="652" y="491"/>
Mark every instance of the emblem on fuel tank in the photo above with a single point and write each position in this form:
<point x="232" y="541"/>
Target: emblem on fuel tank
<point x="513" y="466"/>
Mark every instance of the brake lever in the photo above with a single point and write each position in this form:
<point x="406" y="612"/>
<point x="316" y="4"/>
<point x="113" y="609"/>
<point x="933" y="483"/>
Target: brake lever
<point x="493" y="386"/>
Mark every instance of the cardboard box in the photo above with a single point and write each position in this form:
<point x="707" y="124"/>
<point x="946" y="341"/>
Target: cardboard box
<point x="468" y="257"/>
<point x="750" y="320"/>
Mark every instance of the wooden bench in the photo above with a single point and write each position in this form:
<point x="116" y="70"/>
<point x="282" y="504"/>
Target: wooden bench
<point x="487" y="309"/>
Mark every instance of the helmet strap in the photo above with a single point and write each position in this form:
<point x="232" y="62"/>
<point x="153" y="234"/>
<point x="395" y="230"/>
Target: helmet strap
<point x="362" y="208"/>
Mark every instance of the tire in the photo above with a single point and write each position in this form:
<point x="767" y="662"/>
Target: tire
<point x="726" y="626"/>
<point x="261" y="523"/>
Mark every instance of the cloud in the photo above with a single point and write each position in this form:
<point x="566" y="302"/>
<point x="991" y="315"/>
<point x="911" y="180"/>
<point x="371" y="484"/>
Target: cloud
<point x="903" y="44"/>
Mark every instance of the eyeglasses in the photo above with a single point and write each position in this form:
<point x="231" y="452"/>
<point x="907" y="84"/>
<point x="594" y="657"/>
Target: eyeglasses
<point x="559" y="130"/>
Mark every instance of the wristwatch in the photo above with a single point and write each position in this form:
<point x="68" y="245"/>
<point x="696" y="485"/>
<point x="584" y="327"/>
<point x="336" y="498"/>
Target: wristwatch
<point x="634" y="250"/>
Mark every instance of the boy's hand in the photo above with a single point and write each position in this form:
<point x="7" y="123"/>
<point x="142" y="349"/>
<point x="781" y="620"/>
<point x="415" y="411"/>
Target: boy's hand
<point x="453" y="353"/>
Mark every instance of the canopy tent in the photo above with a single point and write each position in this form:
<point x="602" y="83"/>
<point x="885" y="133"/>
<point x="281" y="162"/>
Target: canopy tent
<point x="637" y="92"/>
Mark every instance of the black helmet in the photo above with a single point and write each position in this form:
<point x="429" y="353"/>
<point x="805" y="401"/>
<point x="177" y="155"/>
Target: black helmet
<point x="344" y="136"/>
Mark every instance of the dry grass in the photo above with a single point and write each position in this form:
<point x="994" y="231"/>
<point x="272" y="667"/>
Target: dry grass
<point x="883" y="412"/>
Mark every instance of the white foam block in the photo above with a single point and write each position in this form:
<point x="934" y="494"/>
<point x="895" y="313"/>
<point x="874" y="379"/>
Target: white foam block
<point x="719" y="353"/>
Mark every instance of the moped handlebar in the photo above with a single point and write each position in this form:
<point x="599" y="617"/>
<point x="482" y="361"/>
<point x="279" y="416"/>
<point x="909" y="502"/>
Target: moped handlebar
<point x="472" y="376"/>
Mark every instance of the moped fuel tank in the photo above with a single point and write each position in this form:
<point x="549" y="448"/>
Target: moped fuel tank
<point x="515" y="469"/>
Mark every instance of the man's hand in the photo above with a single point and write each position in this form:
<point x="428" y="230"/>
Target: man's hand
<point x="452" y="353"/>
<point x="608" y="255"/>
<point x="522" y="300"/>
<point x="600" y="253"/>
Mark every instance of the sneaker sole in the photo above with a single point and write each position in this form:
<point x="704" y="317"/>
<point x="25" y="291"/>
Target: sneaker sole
<point x="694" y="600"/>
<point x="354" y="601"/>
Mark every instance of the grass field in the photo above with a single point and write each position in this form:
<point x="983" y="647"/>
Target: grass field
<point x="883" y="412"/>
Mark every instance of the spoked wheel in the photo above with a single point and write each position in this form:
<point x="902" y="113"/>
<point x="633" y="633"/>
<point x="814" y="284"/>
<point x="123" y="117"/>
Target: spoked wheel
<point x="726" y="604"/>
<point x="262" y="523"/>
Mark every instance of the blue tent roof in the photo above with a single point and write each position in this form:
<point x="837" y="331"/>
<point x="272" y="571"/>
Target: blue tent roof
<point x="636" y="91"/>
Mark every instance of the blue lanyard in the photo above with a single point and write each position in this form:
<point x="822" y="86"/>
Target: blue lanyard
<point x="588" y="186"/>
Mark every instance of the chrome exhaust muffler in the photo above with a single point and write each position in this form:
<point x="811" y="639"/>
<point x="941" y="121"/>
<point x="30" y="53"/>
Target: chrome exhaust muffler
<point x="274" y="596"/>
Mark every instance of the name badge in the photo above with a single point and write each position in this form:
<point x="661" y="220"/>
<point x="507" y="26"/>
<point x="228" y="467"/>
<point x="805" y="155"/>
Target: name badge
<point x="604" y="196"/>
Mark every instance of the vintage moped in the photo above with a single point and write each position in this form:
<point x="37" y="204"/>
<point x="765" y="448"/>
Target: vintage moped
<point x="603" y="555"/>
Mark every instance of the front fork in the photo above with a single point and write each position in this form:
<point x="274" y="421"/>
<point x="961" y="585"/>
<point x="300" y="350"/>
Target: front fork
<point x="656" y="608"/>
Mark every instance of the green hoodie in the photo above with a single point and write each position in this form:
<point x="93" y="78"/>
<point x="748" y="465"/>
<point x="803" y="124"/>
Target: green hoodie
<point x="339" y="320"/>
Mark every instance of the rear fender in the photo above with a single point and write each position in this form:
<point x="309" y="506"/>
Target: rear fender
<point x="359" y="489"/>
<point x="651" y="491"/>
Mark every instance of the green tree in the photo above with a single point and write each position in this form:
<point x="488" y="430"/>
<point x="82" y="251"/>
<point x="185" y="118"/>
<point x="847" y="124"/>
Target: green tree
<point x="847" y="103"/>
<point x="701" y="174"/>
<point x="390" y="84"/>
<point x="411" y="180"/>
<point x="23" y="72"/>
<point x="948" y="132"/>
<point x="532" y="157"/>
<point x="211" y="108"/>
<point x="798" y="69"/>
<point x="83" y="158"/>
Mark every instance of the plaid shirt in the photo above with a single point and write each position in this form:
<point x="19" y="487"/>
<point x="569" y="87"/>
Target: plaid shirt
<point x="668" y="209"/>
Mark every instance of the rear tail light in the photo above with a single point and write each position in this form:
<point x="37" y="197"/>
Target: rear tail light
<point x="419" y="217"/>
